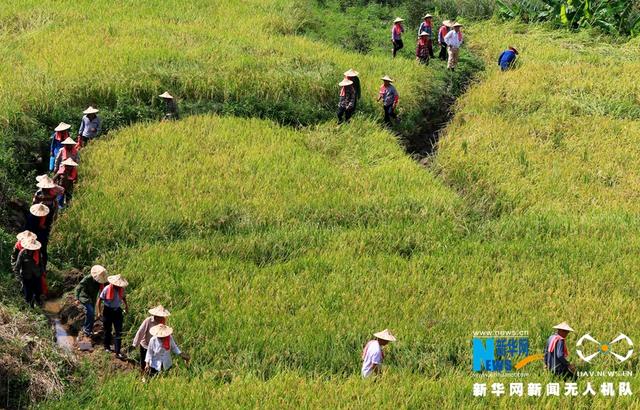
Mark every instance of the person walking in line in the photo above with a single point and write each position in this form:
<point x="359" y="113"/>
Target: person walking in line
<point x="389" y="97"/>
<point x="396" y="35"/>
<point x="454" y="41"/>
<point x="347" y="103"/>
<point x="69" y="150"/>
<point x="46" y="194"/>
<point x="353" y="75"/>
<point x="507" y="59"/>
<point x="113" y="296"/>
<point x="442" y="33"/>
<point x="39" y="222"/>
<point x="22" y="236"/>
<point x="556" y="353"/>
<point x="427" y="27"/>
<point x="87" y="293"/>
<point x="143" y="336"/>
<point x="373" y="353"/>
<point x="66" y="178"/>
<point x="28" y="267"/>
<point x="90" y="126"/>
<point x="161" y="344"/>
<point x="422" y="49"/>
<point x="61" y="133"/>
<point x="170" y="107"/>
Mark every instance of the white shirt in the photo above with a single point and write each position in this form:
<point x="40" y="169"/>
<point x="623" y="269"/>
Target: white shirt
<point x="157" y="356"/>
<point x="452" y="39"/>
<point x="372" y="355"/>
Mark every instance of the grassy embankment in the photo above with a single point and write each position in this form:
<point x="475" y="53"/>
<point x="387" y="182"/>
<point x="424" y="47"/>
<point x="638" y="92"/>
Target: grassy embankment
<point x="296" y="245"/>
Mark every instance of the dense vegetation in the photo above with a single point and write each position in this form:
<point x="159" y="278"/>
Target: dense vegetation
<point x="279" y="248"/>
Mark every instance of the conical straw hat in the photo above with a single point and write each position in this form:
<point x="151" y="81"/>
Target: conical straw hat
<point x="161" y="331"/>
<point x="427" y="16"/>
<point x="68" y="141"/>
<point x="30" y="244"/>
<point x="41" y="177"/>
<point x="166" y="95"/>
<point x="351" y="73"/>
<point x="99" y="273"/>
<point x="424" y="33"/>
<point x="447" y="23"/>
<point x="69" y="162"/>
<point x="385" y="335"/>
<point x="118" y="280"/>
<point x="26" y="235"/>
<point x="458" y="25"/>
<point x="563" y="326"/>
<point x="159" y="311"/>
<point x="63" y="126"/>
<point x="387" y="78"/>
<point x="91" y="110"/>
<point x="45" y="183"/>
<point x="398" y="20"/>
<point x="39" y="210"/>
<point x="345" y="83"/>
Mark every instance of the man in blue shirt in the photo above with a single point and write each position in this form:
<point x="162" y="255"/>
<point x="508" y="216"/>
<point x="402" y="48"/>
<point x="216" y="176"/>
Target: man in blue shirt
<point x="556" y="352"/>
<point x="508" y="58"/>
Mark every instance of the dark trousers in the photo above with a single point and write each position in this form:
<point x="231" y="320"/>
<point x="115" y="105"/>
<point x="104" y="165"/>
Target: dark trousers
<point x="430" y="48"/>
<point x="113" y="317"/>
<point x="143" y="355"/>
<point x="31" y="288"/>
<point x="444" y="56"/>
<point x="389" y="113"/>
<point x="343" y="112"/>
<point x="397" y="46"/>
<point x="89" y="318"/>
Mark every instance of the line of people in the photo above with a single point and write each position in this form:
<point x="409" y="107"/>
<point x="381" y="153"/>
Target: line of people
<point x="99" y="292"/>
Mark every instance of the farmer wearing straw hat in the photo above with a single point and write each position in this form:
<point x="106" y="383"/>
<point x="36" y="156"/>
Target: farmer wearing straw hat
<point x="422" y="49"/>
<point x="39" y="222"/>
<point x="69" y="150"/>
<point x="427" y="27"/>
<point x="61" y="133"/>
<point x="396" y="35"/>
<point x="347" y="102"/>
<point x="373" y="355"/>
<point x="389" y="97"/>
<point x="66" y="178"/>
<point x="556" y="352"/>
<point x="447" y="25"/>
<point x="24" y="235"/>
<point x="454" y="42"/>
<point x="89" y="126"/>
<point x="143" y="336"/>
<point x="113" y="296"/>
<point x="352" y="75"/>
<point x="507" y="59"/>
<point x="161" y="345"/>
<point x="170" y="107"/>
<point x="29" y="269"/>
<point x="87" y="293"/>
<point x="46" y="194"/>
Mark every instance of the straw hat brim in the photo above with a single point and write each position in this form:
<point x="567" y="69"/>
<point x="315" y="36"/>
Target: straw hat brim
<point x="68" y="141"/>
<point x="25" y="235"/>
<point x="39" y="210"/>
<point x="166" y="95"/>
<point x="63" y="126"/>
<point x="345" y="83"/>
<point x="398" y="20"/>
<point x="458" y="25"/>
<point x="424" y="33"/>
<point x="159" y="311"/>
<point x="351" y="73"/>
<point x="427" y="16"/>
<point x="46" y="183"/>
<point x="161" y="331"/>
<point x="447" y="23"/>
<point x="386" y="78"/>
<point x="385" y="335"/>
<point x="564" y="326"/>
<point x="31" y="245"/>
<point x="99" y="273"/>
<point x="69" y="162"/>
<point x="118" y="280"/>
<point x="91" y="110"/>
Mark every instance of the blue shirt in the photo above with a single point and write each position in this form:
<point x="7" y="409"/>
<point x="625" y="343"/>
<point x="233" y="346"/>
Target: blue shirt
<point x="506" y="59"/>
<point x="428" y="29"/>
<point x="555" y="361"/>
<point x="115" y="302"/>
<point x="89" y="128"/>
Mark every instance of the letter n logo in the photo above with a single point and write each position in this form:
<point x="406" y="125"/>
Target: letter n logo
<point x="482" y="352"/>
